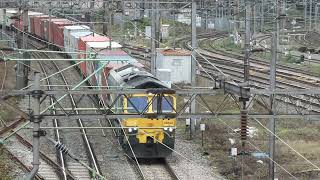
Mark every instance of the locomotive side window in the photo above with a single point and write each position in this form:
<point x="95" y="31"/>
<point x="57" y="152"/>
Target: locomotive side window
<point x="167" y="104"/>
<point x="139" y="102"/>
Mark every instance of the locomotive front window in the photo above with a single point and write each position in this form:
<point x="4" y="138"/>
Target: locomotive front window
<point x="167" y="104"/>
<point x="138" y="102"/>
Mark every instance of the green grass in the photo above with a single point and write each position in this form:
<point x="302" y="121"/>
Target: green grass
<point x="227" y="44"/>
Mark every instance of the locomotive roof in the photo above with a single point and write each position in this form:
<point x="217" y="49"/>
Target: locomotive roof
<point x="138" y="77"/>
<point x="143" y="82"/>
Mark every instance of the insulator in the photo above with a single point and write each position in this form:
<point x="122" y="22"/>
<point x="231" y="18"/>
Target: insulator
<point x="243" y="125"/>
<point x="61" y="147"/>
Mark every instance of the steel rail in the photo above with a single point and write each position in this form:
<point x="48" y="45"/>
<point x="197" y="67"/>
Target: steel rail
<point x="24" y="166"/>
<point x="141" y="50"/>
<point x="4" y="76"/>
<point x="56" y="125"/>
<point x="80" y="122"/>
<point x="305" y="100"/>
<point x="170" y="170"/>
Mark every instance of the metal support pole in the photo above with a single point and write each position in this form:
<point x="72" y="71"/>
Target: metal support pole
<point x="158" y="24"/>
<point x="310" y="15"/>
<point x="262" y="15"/>
<point x="238" y="14"/>
<point x="305" y="13"/>
<point x="206" y="20"/>
<point x="316" y="16"/>
<point x="283" y="14"/>
<point x="25" y="43"/>
<point x="247" y="43"/>
<point x="194" y="45"/>
<point x="254" y="19"/>
<point x="110" y="24"/>
<point x="22" y="69"/>
<point x="135" y="24"/>
<point x="36" y="127"/>
<point x="4" y="17"/>
<point x="153" y="40"/>
<point x="105" y="9"/>
<point x="122" y="23"/>
<point x="90" y="15"/>
<point x="235" y="18"/>
<point x="49" y="26"/>
<point x="272" y="104"/>
<point x="142" y="9"/>
<point x="243" y="131"/>
<point x="174" y="30"/>
<point x="88" y="19"/>
<point x="278" y="22"/>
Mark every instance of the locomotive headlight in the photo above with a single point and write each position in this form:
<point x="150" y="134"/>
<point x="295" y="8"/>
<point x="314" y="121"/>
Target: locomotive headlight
<point x="130" y="130"/>
<point x="170" y="129"/>
<point x="135" y="128"/>
<point x="166" y="129"/>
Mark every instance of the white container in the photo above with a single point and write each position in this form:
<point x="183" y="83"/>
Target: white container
<point x="67" y="30"/>
<point x="178" y="61"/>
<point x="73" y="47"/>
<point x="96" y="46"/>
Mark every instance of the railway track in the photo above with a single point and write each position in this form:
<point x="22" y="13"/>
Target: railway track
<point x="310" y="40"/>
<point x="60" y="155"/>
<point x="149" y="169"/>
<point x="259" y="73"/>
<point x="75" y="168"/>
<point x="110" y="145"/>
<point x="157" y="169"/>
<point x="20" y="151"/>
<point x="287" y="78"/>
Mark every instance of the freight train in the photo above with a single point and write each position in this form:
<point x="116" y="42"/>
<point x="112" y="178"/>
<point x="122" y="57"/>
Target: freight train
<point x="149" y="136"/>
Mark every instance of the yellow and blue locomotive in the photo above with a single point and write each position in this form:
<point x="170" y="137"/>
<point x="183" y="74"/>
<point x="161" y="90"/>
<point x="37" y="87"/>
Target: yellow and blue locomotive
<point x="153" y="135"/>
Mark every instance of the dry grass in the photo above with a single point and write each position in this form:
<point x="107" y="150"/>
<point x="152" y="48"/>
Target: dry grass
<point x="302" y="135"/>
<point x="6" y="166"/>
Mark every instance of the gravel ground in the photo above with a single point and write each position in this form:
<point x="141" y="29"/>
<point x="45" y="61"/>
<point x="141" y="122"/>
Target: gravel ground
<point x="192" y="164"/>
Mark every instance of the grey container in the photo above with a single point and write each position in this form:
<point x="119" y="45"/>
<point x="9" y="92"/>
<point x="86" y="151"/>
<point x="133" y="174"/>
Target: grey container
<point x="67" y="30"/>
<point x="74" y="39"/>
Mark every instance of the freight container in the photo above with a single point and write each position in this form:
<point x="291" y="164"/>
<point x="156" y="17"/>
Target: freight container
<point x="112" y="58"/>
<point x="57" y="36"/>
<point x="18" y="21"/>
<point x="37" y="24"/>
<point x="97" y="46"/>
<point x="71" y="29"/>
<point x="90" y="65"/>
<point x="102" y="81"/>
<point x="93" y="48"/>
<point x="82" y="46"/>
<point x="30" y="15"/>
<point x="74" y="38"/>
<point x="44" y="26"/>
